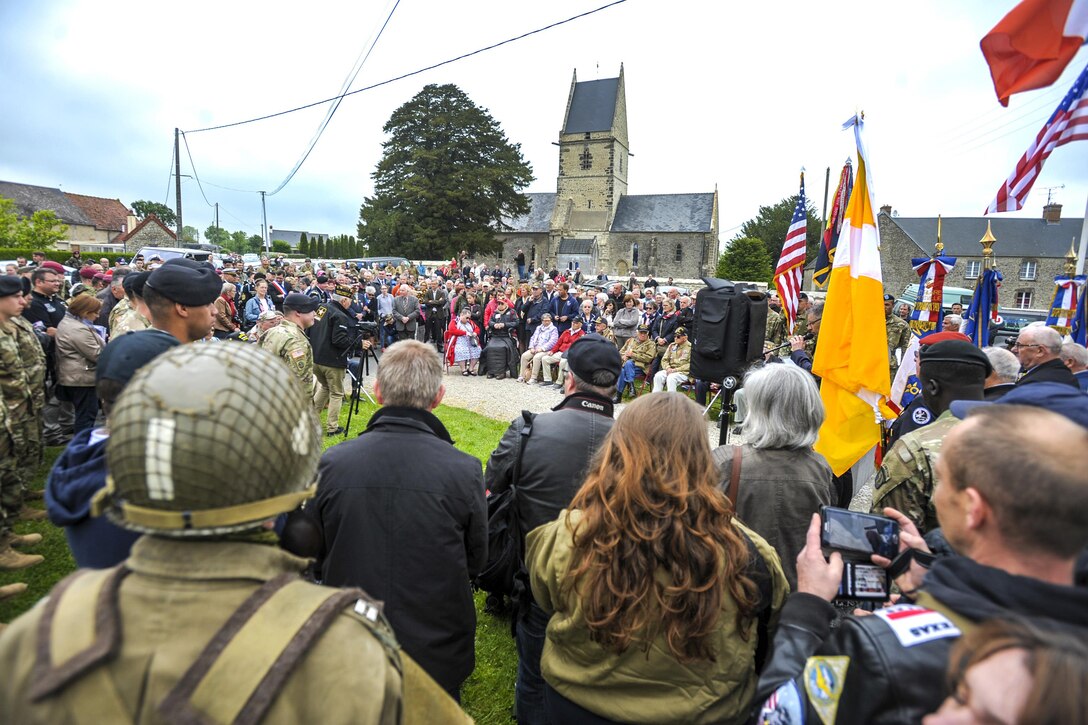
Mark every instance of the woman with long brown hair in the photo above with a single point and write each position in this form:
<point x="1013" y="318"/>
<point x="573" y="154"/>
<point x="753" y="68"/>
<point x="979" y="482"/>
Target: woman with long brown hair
<point x="661" y="602"/>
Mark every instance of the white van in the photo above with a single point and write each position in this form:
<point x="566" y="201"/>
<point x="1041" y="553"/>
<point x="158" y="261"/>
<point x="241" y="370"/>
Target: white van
<point x="168" y="253"/>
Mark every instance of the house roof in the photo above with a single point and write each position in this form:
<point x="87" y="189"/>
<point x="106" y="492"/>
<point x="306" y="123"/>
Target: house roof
<point x="108" y="214"/>
<point x="539" y="218"/>
<point x="294" y="237"/>
<point x="575" y="246"/>
<point x="149" y="219"/>
<point x="1016" y="237"/>
<point x="592" y="107"/>
<point x="664" y="213"/>
<point x="29" y="199"/>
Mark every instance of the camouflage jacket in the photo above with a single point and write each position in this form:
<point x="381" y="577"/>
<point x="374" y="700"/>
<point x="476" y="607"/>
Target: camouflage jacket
<point x="289" y="343"/>
<point x="15" y="384"/>
<point x="124" y="318"/>
<point x="30" y="350"/>
<point x="776" y="328"/>
<point x="908" y="475"/>
<point x="898" y="338"/>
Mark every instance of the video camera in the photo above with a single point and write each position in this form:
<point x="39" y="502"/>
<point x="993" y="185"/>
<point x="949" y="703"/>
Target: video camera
<point x="858" y="536"/>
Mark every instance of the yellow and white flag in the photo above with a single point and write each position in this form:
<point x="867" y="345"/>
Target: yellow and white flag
<point x="852" y="350"/>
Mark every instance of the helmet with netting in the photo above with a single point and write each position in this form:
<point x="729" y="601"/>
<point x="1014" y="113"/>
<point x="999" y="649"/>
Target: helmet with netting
<point x="208" y="439"/>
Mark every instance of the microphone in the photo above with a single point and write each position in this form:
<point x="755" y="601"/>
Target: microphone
<point x="806" y="336"/>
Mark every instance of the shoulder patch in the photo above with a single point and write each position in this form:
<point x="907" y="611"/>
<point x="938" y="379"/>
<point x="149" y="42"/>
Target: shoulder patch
<point x="913" y="625"/>
<point x="297" y="353"/>
<point x="783" y="707"/>
<point x="824" y="680"/>
<point x="921" y="416"/>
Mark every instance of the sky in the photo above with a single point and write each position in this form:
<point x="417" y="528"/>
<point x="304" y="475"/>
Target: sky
<point x="727" y="95"/>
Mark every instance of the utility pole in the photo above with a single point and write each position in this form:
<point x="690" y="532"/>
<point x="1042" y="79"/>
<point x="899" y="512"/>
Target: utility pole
<point x="827" y="182"/>
<point x="264" y="223"/>
<point x="217" y="222"/>
<point x="177" y="178"/>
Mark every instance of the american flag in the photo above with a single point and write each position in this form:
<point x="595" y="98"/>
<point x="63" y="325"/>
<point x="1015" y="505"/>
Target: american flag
<point x="1069" y="122"/>
<point x="788" y="273"/>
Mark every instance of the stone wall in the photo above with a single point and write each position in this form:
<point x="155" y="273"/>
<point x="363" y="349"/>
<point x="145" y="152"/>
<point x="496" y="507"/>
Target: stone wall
<point x="152" y="235"/>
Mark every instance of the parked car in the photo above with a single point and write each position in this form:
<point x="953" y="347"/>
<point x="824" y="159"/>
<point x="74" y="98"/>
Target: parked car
<point x="168" y="253"/>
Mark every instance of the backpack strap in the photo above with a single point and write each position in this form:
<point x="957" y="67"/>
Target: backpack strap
<point x="242" y="669"/>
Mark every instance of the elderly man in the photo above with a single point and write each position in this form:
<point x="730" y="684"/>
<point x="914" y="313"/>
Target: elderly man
<point x="1039" y="350"/>
<point x="1006" y="369"/>
<point x="638" y="354"/>
<point x="111" y="296"/>
<point x="675" y="364"/>
<point x="541" y="345"/>
<point x="413" y="535"/>
<point x="405" y="312"/>
<point x="1075" y="357"/>
<point x="436" y="302"/>
<point x="952" y="323"/>
<point x="558" y="355"/>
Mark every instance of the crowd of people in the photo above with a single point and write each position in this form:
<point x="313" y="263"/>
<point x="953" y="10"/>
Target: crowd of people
<point x="232" y="569"/>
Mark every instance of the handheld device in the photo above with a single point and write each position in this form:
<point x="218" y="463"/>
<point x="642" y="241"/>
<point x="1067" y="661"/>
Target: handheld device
<point x="857" y="533"/>
<point x="867" y="582"/>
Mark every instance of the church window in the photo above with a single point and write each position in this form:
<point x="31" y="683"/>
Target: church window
<point x="974" y="268"/>
<point x="586" y="136"/>
<point x="679" y="253"/>
<point x="586" y="158"/>
<point x="589" y="203"/>
<point x="634" y="254"/>
<point x="621" y="164"/>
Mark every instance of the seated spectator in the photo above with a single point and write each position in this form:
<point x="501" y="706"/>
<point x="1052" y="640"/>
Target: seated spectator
<point x="659" y="598"/>
<point x="541" y="345"/>
<point x="675" y="363"/>
<point x="638" y="354"/>
<point x="559" y="354"/>
<point x="775" y="480"/>
<point x="465" y="350"/>
<point x="500" y="355"/>
<point x="1011" y="671"/>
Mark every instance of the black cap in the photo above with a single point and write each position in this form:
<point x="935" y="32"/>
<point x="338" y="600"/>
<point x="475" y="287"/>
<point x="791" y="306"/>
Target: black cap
<point x="11" y="284"/>
<point x="592" y="354"/>
<point x="134" y="283"/>
<point x="322" y="279"/>
<point x="300" y="303"/>
<point x="342" y="290"/>
<point x="954" y="351"/>
<point x="889" y="298"/>
<point x="186" y="282"/>
<point x="680" y="331"/>
<point x="128" y="353"/>
<point x="576" y="319"/>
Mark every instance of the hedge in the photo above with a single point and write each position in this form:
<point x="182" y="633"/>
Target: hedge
<point x="61" y="255"/>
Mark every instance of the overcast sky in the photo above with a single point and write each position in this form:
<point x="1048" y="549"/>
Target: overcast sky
<point x="734" y="95"/>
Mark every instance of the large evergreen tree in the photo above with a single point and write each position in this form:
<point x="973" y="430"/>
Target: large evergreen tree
<point x="447" y="176"/>
<point x="772" y="223"/>
<point x="745" y="260"/>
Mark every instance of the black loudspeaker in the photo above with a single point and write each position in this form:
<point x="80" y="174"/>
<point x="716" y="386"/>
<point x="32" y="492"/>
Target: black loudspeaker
<point x="731" y="319"/>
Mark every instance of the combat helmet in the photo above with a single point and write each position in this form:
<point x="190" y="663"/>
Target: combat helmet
<point x="184" y="440"/>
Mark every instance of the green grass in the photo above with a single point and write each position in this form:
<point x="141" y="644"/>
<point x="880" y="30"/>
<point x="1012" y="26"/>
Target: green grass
<point x="488" y="695"/>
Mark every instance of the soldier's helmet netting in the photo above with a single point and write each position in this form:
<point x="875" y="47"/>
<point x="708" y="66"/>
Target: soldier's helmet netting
<point x="208" y="439"/>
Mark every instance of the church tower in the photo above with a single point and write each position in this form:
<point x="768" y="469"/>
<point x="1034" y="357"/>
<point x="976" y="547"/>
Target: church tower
<point x="593" y="155"/>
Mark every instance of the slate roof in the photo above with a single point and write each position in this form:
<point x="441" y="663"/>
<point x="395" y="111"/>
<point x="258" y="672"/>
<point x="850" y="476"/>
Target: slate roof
<point x="29" y="199"/>
<point x="664" y="213"/>
<point x="1016" y="237"/>
<point x="575" y="246"/>
<point x="108" y="214"/>
<point x="293" y="237"/>
<point x="539" y="218"/>
<point x="593" y="106"/>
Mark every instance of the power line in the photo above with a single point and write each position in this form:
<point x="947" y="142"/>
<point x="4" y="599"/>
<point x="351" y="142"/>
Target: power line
<point x="193" y="167"/>
<point x="328" y="116"/>
<point x="169" y="177"/>
<point x="415" y="72"/>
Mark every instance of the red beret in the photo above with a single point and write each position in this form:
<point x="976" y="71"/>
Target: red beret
<point x="943" y="336"/>
<point x="87" y="273"/>
<point x="55" y="266"/>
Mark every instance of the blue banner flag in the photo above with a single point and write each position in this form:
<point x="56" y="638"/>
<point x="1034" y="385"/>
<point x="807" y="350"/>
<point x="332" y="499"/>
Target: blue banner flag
<point x="983" y="310"/>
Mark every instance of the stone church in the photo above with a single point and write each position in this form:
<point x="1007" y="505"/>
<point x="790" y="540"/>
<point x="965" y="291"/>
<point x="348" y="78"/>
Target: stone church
<point x="591" y="222"/>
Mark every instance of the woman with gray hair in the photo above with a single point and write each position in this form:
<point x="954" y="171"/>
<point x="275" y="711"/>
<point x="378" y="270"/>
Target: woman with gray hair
<point x="775" y="480"/>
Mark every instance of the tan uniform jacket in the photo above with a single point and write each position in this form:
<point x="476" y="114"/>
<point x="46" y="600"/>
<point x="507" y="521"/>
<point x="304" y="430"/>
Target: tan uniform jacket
<point x="642" y="353"/>
<point x="678" y="357"/>
<point x="177" y="597"/>
<point x="289" y="343"/>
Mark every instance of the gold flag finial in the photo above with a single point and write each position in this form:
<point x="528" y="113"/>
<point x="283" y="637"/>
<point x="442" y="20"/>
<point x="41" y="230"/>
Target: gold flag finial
<point x="988" y="240"/>
<point x="940" y="244"/>
<point x="1071" y="258"/>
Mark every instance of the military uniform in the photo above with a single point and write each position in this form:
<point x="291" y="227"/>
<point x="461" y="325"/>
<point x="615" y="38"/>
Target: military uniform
<point x="776" y="328"/>
<point x="800" y="325"/>
<point x="898" y="339"/>
<point x="18" y="401"/>
<point x="908" y="475"/>
<point x="126" y="319"/>
<point x="30" y="350"/>
<point x="288" y="342"/>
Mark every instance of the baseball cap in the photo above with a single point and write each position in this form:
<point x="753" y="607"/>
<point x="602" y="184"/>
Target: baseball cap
<point x="681" y="331"/>
<point x="592" y="354"/>
<point x="642" y="328"/>
<point x="1055" y="397"/>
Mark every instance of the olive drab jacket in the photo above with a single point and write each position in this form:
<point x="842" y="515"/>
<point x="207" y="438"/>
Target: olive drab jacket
<point x="289" y="343"/>
<point x="908" y="474"/>
<point x="154" y="640"/>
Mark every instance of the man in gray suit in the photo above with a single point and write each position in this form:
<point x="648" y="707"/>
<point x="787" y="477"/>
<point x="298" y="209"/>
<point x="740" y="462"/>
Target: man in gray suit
<point x="405" y="312"/>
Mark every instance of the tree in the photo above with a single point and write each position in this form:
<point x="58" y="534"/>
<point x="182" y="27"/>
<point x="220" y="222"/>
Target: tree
<point x="745" y="259"/>
<point x="280" y="247"/>
<point x="238" y="242"/>
<point x="254" y="245"/>
<point x="446" y="178"/>
<point x="772" y="222"/>
<point x="190" y="234"/>
<point x="216" y="235"/>
<point x="165" y="214"/>
<point x="320" y="247"/>
<point x="41" y="230"/>
<point x="304" y="246"/>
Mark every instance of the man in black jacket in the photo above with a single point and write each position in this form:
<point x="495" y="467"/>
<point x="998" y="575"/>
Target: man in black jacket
<point x="1039" y="349"/>
<point x="414" y="534"/>
<point x="437" y="304"/>
<point x="331" y="337"/>
<point x="552" y="468"/>
<point x="1019" y="544"/>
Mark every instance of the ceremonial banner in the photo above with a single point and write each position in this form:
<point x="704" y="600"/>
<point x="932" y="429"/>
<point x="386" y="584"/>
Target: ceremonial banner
<point x="906" y="387"/>
<point x="1079" y="332"/>
<point x="852" y="352"/>
<point x="1069" y="122"/>
<point x="1063" y="310"/>
<point x="983" y="310"/>
<point x="826" y="256"/>
<point x="1030" y="47"/>
<point x="791" y="264"/>
<point x="928" y="314"/>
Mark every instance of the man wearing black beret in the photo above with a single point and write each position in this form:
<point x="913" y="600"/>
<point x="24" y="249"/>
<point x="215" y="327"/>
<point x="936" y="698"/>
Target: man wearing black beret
<point x="288" y="340"/>
<point x="181" y="298"/>
<point x="948" y="371"/>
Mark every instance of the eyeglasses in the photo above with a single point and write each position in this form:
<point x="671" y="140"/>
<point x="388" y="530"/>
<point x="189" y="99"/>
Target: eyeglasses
<point x="1017" y="345"/>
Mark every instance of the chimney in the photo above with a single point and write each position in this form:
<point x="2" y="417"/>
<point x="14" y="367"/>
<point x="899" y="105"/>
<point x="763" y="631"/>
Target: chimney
<point x="886" y="209"/>
<point x="1052" y="213"/>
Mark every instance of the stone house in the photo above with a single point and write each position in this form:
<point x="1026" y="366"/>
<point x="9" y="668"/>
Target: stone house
<point x="92" y="221"/>
<point x="591" y="222"/>
<point x="150" y="232"/>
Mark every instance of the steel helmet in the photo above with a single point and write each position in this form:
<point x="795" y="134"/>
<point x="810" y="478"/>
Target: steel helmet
<point x="208" y="439"/>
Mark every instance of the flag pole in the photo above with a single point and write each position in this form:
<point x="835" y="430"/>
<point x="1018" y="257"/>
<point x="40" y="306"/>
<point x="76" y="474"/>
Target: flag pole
<point x="1083" y="240"/>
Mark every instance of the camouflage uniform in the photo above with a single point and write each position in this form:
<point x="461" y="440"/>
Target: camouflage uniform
<point x="30" y="350"/>
<point x="288" y="342"/>
<point x="908" y="475"/>
<point x="800" y="325"/>
<point x="898" y="339"/>
<point x="776" y="328"/>
<point x="18" y="402"/>
<point x="124" y="318"/>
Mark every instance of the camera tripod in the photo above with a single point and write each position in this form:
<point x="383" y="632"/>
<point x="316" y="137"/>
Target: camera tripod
<point x="358" y="368"/>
